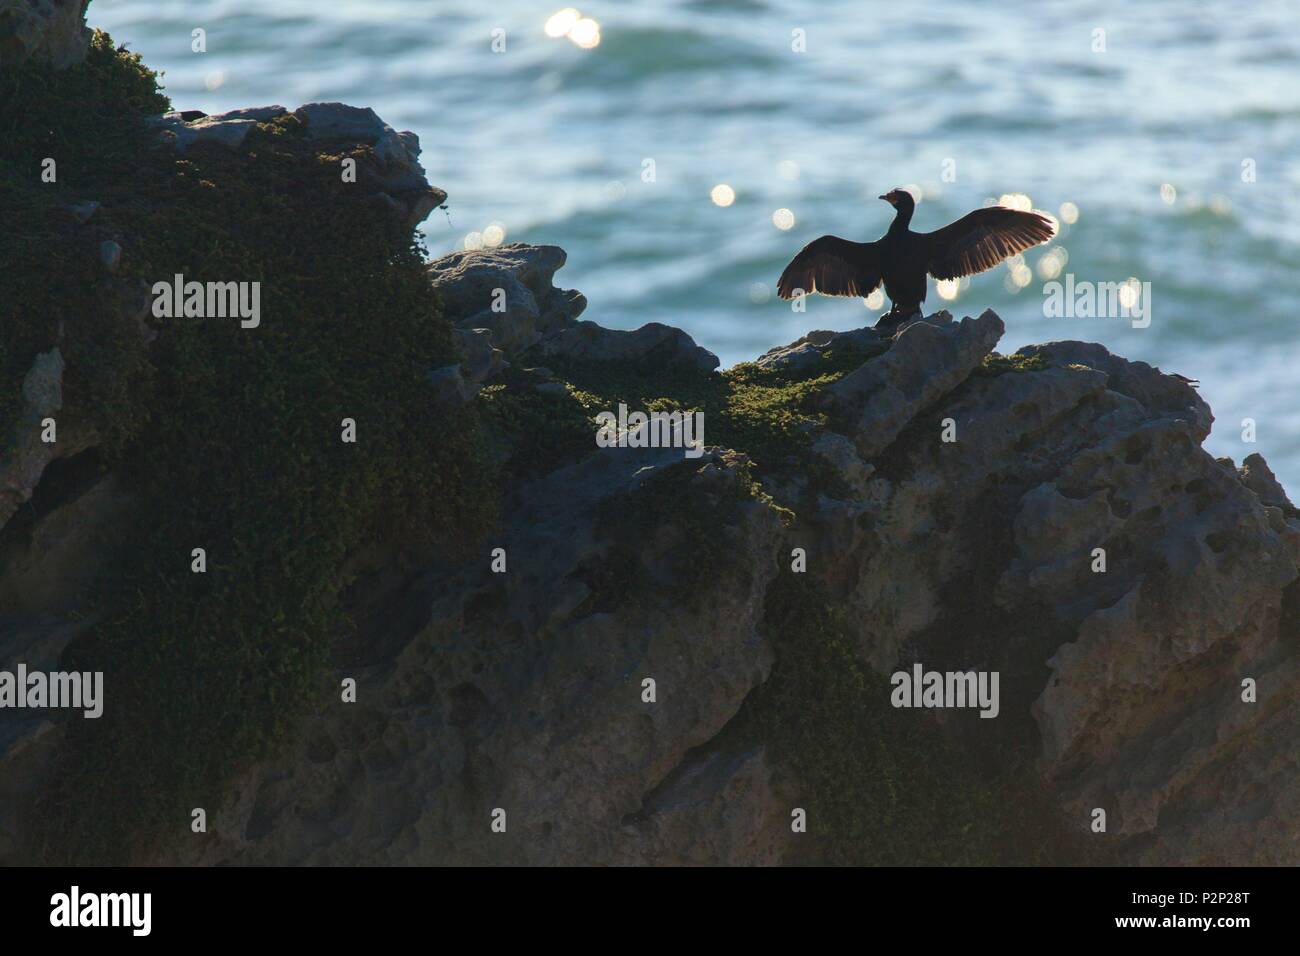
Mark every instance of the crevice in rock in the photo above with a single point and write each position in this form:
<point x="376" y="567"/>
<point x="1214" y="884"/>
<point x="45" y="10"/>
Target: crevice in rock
<point x="62" y="481"/>
<point x="733" y="739"/>
<point x="1289" y="619"/>
<point x="387" y="609"/>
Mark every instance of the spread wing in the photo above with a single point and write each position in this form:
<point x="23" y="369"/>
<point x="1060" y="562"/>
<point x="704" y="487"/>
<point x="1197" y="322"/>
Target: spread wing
<point x="832" y="266"/>
<point x="982" y="239"/>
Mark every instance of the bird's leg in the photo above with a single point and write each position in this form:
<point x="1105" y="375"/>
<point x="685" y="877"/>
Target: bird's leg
<point x="898" y="314"/>
<point x="892" y="317"/>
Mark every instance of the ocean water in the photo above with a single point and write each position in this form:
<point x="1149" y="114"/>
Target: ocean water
<point x="1178" y="144"/>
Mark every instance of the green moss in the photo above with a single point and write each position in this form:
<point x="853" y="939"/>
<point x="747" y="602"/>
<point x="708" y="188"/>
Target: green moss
<point x="763" y="414"/>
<point x="766" y="413"/>
<point x="230" y="436"/>
<point x="685" y="514"/>
<point x="537" y="432"/>
<point x="89" y="121"/>
<point x="997" y="364"/>
<point x="883" y="786"/>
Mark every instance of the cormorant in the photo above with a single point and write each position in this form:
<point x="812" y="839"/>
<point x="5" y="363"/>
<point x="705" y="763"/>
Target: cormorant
<point x="902" y="258"/>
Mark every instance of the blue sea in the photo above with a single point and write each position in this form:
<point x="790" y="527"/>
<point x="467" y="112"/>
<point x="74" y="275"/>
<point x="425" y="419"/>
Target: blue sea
<point x="1169" y="132"/>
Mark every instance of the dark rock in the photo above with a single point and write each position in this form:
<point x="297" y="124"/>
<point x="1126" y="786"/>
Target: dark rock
<point x="397" y="180"/>
<point x="340" y="121"/>
<point x="24" y="458"/>
<point x="926" y="361"/>
<point x="1259" y="478"/>
<point x="521" y="690"/>
<point x="653" y="342"/>
<point x="808" y="350"/>
<point x="43" y="31"/>
<point x="507" y="291"/>
<point x="450" y="387"/>
<point x="482" y="359"/>
<point x="1168" y="394"/>
<point x="182" y="135"/>
<point x="532" y="704"/>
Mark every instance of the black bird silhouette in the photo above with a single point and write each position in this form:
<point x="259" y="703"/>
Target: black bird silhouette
<point x="902" y="258"/>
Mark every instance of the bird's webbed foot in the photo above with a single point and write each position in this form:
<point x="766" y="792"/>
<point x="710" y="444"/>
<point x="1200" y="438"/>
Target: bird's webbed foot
<point x="896" y="316"/>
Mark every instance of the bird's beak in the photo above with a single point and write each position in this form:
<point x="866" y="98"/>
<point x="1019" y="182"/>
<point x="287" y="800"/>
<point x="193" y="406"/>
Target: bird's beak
<point x="886" y="199"/>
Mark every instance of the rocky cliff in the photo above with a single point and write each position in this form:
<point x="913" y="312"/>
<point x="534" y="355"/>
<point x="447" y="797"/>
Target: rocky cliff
<point x="596" y="655"/>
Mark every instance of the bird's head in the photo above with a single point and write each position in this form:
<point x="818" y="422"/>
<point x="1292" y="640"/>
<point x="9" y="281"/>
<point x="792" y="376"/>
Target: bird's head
<point x="900" y="199"/>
